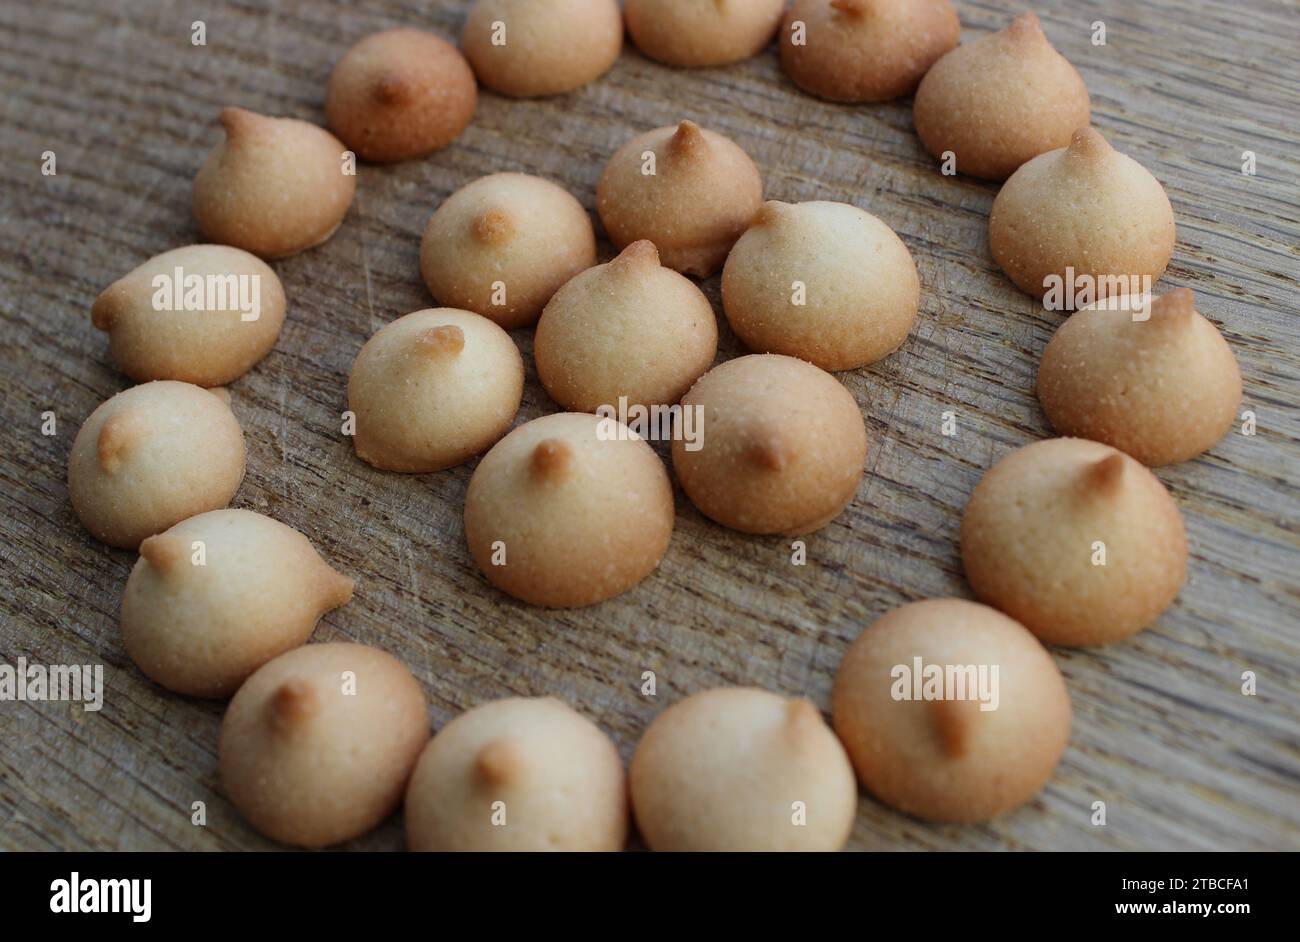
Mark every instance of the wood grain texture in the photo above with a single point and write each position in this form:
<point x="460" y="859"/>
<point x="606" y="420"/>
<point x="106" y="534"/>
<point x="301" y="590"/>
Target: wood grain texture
<point x="1162" y="732"/>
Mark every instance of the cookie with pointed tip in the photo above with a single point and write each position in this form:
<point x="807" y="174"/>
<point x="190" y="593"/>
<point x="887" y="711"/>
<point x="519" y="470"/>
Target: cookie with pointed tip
<point x="568" y="510"/>
<point x="317" y="745"/>
<point x="742" y="769"/>
<point x="865" y="50"/>
<point x="523" y="774"/>
<point x="502" y="245"/>
<point x="151" y="456"/>
<point x="694" y="33"/>
<point x="690" y="191"/>
<point x="399" y="94"/>
<point x="825" y="282"/>
<point x="202" y="314"/>
<point x="274" y="186"/>
<point x="218" y="595"/>
<point x="951" y="711"/>
<point x="1076" y="541"/>
<point x="1085" y="216"/>
<point x="629" y="329"/>
<point x="1162" y="389"/>
<point x="533" y="48"/>
<point x="432" y="390"/>
<point x="783" y="448"/>
<point x="1000" y="101"/>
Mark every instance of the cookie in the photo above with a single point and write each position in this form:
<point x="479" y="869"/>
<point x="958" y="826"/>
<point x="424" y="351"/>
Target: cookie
<point x="630" y="329"/>
<point x="274" y="186"/>
<point x="783" y="448"/>
<point x="218" y="595"/>
<point x="865" y="50"/>
<point x="1000" y="101"/>
<point x="824" y="282"/>
<point x="568" y="510"/>
<point x="523" y="774"/>
<point x="317" y="745"/>
<point x="399" y="94"/>
<point x="152" y="456"/>
<point x="690" y="191"/>
<point x="1164" y="389"/>
<point x="503" y="245"/>
<point x="691" y="34"/>
<point x="433" y="389"/>
<point x="533" y="48"/>
<point x="1076" y="541"/>
<point x="741" y="769"/>
<point x="951" y="711"/>
<point x="1083" y="221"/>
<point x="202" y="314"/>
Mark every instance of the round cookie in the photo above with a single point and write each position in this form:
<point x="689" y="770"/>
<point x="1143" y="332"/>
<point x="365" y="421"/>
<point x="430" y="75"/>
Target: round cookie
<point x="433" y="389"/>
<point x="399" y="94"/>
<point x="951" y="711"/>
<point x="523" y="774"/>
<point x="502" y="245"/>
<point x="783" y="448"/>
<point x="629" y="329"/>
<point x="1000" y="101"/>
<point x="273" y="187"/>
<point x="568" y="510"/>
<point x="1076" y="541"/>
<point x="691" y="33"/>
<point x="532" y="48"/>
<point x="1163" y="389"/>
<point x="741" y="769"/>
<point x="690" y="191"/>
<point x="152" y="456"/>
<point x="865" y="50"/>
<point x="825" y="282"/>
<point x="1085" y="211"/>
<point x="317" y="745"/>
<point x="220" y="594"/>
<point x="202" y="314"/>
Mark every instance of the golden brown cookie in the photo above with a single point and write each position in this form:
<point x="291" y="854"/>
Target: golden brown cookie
<point x="151" y="456"/>
<point x="1082" y="219"/>
<point x="317" y="745"/>
<point x="399" y="94"/>
<point x="742" y="769"/>
<point x="202" y="314"/>
<point x="568" y="510"/>
<point x="220" y="594"/>
<point x="951" y="711"/>
<point x="503" y="245"/>
<point x="693" y="33"/>
<point x="531" y="48"/>
<point x="523" y="774"/>
<point x="865" y="50"/>
<point x="690" y="191"/>
<point x="1074" y="540"/>
<point x="783" y="450"/>
<point x="630" y="329"/>
<point x="274" y="186"/>
<point x="1000" y="101"/>
<point x="433" y="389"/>
<point x="824" y="282"/>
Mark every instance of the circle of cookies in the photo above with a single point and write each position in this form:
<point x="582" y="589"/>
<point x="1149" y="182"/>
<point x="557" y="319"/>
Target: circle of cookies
<point x="218" y="595"/>
<point x="1075" y="540"/>
<point x="523" y="774"/>
<point x="742" y="769"/>
<point x="951" y="711"/>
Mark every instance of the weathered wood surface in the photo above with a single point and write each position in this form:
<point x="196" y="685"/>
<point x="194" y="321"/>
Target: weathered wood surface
<point x="1162" y="731"/>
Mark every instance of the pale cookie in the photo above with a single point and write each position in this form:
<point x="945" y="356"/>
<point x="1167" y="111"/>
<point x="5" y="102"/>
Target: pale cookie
<point x="694" y="33"/>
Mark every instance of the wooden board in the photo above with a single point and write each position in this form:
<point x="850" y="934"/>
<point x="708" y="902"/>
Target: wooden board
<point x="1163" y="734"/>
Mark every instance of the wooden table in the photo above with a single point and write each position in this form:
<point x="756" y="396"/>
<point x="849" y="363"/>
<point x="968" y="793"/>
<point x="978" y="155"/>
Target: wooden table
<point x="1163" y="734"/>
